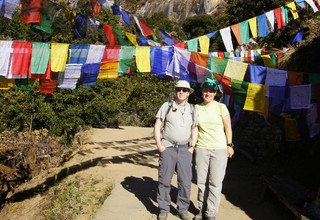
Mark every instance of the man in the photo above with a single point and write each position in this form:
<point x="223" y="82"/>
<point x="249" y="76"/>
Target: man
<point x="175" y="133"/>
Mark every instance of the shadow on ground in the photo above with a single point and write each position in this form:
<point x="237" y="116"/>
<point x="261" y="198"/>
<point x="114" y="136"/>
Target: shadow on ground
<point x="145" y="189"/>
<point x="244" y="188"/>
<point x="139" y="158"/>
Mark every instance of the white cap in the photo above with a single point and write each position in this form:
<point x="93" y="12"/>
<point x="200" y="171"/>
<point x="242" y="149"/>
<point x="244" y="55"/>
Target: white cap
<point x="184" y="84"/>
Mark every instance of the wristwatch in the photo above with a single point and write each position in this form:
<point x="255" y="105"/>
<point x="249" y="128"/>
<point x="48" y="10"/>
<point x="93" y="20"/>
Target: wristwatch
<point x="230" y="145"/>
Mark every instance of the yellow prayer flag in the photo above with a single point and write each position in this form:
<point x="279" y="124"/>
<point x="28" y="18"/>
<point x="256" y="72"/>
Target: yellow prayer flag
<point x="267" y="61"/>
<point x="6" y="84"/>
<point x="109" y="70"/>
<point x="293" y="10"/>
<point x="291" y="129"/>
<point x="253" y="26"/>
<point x="204" y="44"/>
<point x="255" y="100"/>
<point x="143" y="59"/>
<point x="59" y="56"/>
<point x="235" y="70"/>
<point x="132" y="38"/>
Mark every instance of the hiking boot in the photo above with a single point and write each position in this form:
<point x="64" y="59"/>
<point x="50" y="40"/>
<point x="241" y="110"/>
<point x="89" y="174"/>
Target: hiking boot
<point x="163" y="216"/>
<point x="184" y="216"/>
<point x="198" y="216"/>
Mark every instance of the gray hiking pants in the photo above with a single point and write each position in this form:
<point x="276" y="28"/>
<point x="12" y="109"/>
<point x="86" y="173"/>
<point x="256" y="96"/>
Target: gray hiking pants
<point x="211" y="168"/>
<point x="172" y="158"/>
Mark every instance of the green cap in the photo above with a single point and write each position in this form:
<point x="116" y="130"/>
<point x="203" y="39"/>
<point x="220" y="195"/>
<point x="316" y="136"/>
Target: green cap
<point x="210" y="83"/>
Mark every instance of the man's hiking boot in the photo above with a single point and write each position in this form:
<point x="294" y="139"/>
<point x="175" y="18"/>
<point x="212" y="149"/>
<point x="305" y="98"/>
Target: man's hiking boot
<point x="163" y="216"/>
<point x="184" y="216"/>
<point x="198" y="216"/>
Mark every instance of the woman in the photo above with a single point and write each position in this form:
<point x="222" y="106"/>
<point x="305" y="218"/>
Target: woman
<point x="214" y="146"/>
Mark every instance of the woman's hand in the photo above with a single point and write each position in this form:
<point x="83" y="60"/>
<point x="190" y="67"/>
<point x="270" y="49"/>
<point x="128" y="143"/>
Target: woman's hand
<point x="230" y="151"/>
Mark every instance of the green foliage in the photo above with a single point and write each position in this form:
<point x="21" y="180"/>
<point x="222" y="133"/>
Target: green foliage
<point x="240" y="10"/>
<point x="199" y="25"/>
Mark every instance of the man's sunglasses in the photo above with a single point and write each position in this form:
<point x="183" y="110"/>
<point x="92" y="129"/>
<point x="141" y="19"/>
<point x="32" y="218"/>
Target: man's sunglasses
<point x="182" y="89"/>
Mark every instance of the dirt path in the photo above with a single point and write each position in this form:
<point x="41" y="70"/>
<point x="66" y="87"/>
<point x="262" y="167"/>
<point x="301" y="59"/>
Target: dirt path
<point x="127" y="158"/>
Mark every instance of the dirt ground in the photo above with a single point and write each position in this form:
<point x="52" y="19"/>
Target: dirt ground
<point x="127" y="158"/>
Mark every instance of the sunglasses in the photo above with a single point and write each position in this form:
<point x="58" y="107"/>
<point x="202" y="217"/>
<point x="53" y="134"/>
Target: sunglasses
<point x="182" y="89"/>
<point x="206" y="89"/>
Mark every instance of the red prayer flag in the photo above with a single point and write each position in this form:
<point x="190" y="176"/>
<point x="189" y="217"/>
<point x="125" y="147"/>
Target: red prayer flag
<point x="200" y="59"/>
<point x="279" y="18"/>
<point x="144" y="27"/>
<point x="180" y="45"/>
<point x="31" y="11"/>
<point x="295" y="78"/>
<point x="47" y="86"/>
<point x="21" y="58"/>
<point x="112" y="38"/>
<point x="95" y="7"/>
<point x="46" y="75"/>
<point x="221" y="54"/>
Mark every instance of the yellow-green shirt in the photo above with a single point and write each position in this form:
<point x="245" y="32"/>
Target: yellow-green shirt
<point x="210" y="125"/>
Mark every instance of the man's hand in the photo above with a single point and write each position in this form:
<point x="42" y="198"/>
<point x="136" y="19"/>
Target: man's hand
<point x="161" y="148"/>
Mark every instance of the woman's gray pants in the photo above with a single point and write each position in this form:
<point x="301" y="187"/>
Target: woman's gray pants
<point x="211" y="168"/>
<point x="171" y="159"/>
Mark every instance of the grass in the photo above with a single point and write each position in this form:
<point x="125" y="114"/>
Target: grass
<point x="75" y="196"/>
